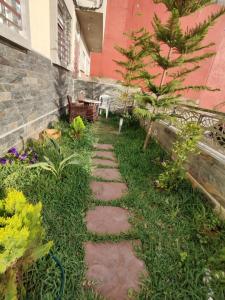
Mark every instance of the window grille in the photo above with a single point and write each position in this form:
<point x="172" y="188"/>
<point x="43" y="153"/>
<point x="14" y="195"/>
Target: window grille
<point x="10" y="14"/>
<point x="64" y="34"/>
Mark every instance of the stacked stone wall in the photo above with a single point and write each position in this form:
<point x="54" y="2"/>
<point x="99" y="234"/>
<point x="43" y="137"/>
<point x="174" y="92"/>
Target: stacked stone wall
<point x="32" y="94"/>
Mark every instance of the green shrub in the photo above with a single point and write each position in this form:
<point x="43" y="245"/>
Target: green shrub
<point x="175" y="170"/>
<point x="21" y="241"/>
<point x="77" y="127"/>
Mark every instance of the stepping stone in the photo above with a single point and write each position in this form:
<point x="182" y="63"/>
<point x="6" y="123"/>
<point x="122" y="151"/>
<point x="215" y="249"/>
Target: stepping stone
<point x="107" y="174"/>
<point x="104" y="146"/>
<point x="105" y="154"/>
<point x="108" y="191"/>
<point x="114" y="269"/>
<point x="104" y="162"/>
<point x="108" y="220"/>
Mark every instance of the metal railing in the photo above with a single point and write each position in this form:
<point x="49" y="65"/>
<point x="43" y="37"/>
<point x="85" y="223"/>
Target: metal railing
<point x="88" y="4"/>
<point x="212" y="122"/>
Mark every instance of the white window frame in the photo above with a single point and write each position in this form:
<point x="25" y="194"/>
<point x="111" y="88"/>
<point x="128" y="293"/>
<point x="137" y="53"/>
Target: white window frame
<point x="21" y="38"/>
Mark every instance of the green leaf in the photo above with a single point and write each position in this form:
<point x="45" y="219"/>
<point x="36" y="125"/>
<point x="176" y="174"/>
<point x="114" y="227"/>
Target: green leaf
<point x="39" y="165"/>
<point x="44" y="166"/>
<point x="50" y="163"/>
<point x="11" y="287"/>
<point x="41" y="251"/>
<point x="73" y="162"/>
<point x="66" y="161"/>
<point x="56" y="146"/>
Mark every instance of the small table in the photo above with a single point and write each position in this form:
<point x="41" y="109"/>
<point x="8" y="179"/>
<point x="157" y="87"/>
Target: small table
<point x="91" y="102"/>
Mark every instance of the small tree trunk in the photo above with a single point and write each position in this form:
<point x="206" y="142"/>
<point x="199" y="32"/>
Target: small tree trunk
<point x="126" y="100"/>
<point x="165" y="71"/>
<point x="148" y="136"/>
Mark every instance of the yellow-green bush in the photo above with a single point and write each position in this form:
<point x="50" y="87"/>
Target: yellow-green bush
<point x="21" y="241"/>
<point x="77" y="127"/>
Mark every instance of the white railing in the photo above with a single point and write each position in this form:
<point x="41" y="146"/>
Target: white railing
<point x="212" y="122"/>
<point x="89" y="4"/>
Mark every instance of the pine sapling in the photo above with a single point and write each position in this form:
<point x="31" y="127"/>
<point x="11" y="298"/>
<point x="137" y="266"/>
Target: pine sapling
<point x="129" y="68"/>
<point x="176" y="52"/>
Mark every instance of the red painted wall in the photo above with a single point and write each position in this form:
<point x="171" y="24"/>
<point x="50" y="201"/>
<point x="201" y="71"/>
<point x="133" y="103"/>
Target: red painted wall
<point x="126" y="15"/>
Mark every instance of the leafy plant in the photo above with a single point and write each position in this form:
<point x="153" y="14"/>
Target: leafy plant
<point x="77" y="127"/>
<point x="171" y="48"/>
<point x="175" y="171"/>
<point x="129" y="70"/>
<point x="56" y="167"/>
<point x="21" y="241"/>
<point x="217" y="266"/>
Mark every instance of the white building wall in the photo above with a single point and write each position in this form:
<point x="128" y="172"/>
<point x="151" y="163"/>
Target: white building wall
<point x="40" y="33"/>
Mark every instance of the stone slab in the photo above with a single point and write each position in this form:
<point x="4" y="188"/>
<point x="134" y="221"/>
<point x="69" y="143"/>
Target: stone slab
<point x="104" y="146"/>
<point x="105" y="154"/>
<point x="114" y="269"/>
<point x="107" y="174"/>
<point x="104" y="162"/>
<point x="108" y="191"/>
<point x="108" y="220"/>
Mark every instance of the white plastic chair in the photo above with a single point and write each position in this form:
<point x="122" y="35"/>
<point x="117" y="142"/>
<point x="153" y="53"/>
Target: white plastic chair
<point x="104" y="105"/>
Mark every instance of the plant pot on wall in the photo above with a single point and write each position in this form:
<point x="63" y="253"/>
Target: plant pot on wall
<point x="54" y="134"/>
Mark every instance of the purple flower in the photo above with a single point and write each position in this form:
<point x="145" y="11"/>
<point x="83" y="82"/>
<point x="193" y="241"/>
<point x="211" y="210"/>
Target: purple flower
<point x="14" y="152"/>
<point x="3" y="161"/>
<point x="23" y="156"/>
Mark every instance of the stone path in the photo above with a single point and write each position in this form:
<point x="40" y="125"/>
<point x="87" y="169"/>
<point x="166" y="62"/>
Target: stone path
<point x="108" y="191"/>
<point x="108" y="174"/>
<point x="113" y="268"/>
<point x="108" y="220"/>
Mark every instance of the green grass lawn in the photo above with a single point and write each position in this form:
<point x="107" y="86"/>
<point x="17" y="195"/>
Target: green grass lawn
<point x="178" y="231"/>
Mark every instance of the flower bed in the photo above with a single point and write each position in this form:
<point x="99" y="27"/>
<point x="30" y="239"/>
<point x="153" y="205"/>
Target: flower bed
<point x="64" y="200"/>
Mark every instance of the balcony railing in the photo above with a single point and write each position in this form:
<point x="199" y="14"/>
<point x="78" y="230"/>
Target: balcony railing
<point x="88" y="4"/>
<point x="212" y="122"/>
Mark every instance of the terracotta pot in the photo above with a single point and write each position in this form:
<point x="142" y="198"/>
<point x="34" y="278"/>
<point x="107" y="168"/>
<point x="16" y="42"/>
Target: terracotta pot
<point x="54" y="134"/>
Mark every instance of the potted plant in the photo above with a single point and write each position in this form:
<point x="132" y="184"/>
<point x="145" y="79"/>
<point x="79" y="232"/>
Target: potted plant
<point x="54" y="134"/>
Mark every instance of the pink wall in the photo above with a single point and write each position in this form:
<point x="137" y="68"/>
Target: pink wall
<point x="126" y="15"/>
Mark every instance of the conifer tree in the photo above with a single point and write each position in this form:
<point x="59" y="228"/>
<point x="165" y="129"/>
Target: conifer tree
<point x="176" y="52"/>
<point x="129" y="67"/>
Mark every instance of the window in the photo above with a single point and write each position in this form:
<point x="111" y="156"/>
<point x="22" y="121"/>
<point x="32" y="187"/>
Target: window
<point x="10" y="14"/>
<point x="64" y="34"/>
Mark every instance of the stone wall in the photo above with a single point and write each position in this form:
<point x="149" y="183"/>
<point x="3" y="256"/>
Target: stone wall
<point x="32" y="94"/>
<point x="206" y="171"/>
<point x="94" y="89"/>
